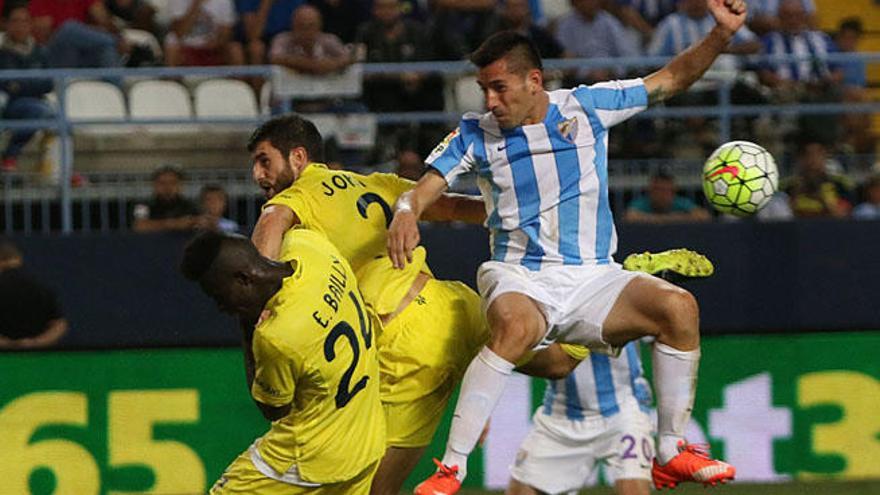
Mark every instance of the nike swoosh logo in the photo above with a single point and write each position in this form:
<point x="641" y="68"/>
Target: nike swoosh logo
<point x="730" y="169"/>
<point x="502" y="147"/>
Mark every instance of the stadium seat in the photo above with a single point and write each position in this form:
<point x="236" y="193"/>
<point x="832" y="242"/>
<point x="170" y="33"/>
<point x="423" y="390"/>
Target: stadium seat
<point x="91" y="100"/>
<point x="156" y="99"/>
<point x="225" y="98"/>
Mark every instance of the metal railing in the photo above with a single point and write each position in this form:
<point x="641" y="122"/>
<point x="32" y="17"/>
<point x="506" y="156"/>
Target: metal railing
<point x="63" y="126"/>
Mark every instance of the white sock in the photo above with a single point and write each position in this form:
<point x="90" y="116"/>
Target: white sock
<point x="675" y="383"/>
<point x="481" y="388"/>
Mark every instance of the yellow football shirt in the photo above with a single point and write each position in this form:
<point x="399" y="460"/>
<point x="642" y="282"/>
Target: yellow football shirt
<point x="353" y="211"/>
<point x="315" y="349"/>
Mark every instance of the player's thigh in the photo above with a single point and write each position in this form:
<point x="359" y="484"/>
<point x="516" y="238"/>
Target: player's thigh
<point x="394" y="468"/>
<point x="643" y="307"/>
<point x="515" y="320"/>
<point x="553" y="460"/>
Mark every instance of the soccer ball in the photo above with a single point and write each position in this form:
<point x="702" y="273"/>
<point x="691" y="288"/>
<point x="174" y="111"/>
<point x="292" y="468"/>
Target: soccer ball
<point x="739" y="178"/>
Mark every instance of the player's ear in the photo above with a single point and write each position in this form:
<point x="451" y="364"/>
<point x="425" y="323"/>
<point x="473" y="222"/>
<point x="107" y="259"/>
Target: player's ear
<point x="535" y="80"/>
<point x="298" y="158"/>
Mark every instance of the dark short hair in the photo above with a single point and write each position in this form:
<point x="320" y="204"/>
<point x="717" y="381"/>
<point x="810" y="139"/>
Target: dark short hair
<point x="200" y="252"/>
<point x="520" y="50"/>
<point x="851" y="24"/>
<point x="287" y="132"/>
<point x="168" y="169"/>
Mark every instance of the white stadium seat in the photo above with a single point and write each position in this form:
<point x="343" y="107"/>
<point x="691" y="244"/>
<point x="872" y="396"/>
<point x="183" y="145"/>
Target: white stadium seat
<point x="92" y="100"/>
<point x="225" y="98"/>
<point x="157" y="99"/>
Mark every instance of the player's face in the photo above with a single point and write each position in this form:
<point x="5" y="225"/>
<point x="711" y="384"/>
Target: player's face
<point x="510" y="96"/>
<point x="272" y="171"/>
<point x="229" y="293"/>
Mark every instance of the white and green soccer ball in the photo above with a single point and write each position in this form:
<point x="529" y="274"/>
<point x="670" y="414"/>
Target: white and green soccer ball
<point x="739" y="178"/>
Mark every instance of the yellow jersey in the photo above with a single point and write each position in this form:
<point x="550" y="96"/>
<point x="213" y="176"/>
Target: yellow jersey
<point x="354" y="211"/>
<point x="314" y="348"/>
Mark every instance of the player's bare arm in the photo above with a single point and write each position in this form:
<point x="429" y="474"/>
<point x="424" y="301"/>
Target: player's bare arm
<point x="403" y="233"/>
<point x="456" y="207"/>
<point x="274" y="221"/>
<point x="685" y="69"/>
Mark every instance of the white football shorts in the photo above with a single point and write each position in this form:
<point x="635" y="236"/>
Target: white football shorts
<point x="575" y="299"/>
<point x="560" y="455"/>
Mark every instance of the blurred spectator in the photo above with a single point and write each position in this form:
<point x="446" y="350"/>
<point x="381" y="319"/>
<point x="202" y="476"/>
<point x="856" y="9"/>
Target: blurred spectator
<point x="690" y="24"/>
<point x="201" y="34"/>
<point x="795" y="37"/>
<point x="259" y="22"/>
<point x="77" y="33"/>
<point x="343" y="17"/>
<point x="813" y="191"/>
<point x="410" y="165"/>
<point x="870" y="208"/>
<point x="167" y="210"/>
<point x="767" y="15"/>
<point x="847" y="40"/>
<point x="642" y="15"/>
<point x="388" y="37"/>
<point x="515" y="15"/>
<point x="662" y="204"/>
<point x="30" y="315"/>
<point x="588" y="31"/>
<point x="307" y="48"/>
<point x="137" y="14"/>
<point x="213" y="201"/>
<point x="25" y="97"/>
<point x="459" y="24"/>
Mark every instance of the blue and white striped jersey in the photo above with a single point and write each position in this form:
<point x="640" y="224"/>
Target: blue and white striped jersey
<point x="546" y="185"/>
<point x="771" y="7"/>
<point x="814" y="44"/>
<point x="677" y="31"/>
<point x="600" y="385"/>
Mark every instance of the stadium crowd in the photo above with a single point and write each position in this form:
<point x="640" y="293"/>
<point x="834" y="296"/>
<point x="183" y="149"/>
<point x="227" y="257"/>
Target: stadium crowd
<point x="322" y="37"/>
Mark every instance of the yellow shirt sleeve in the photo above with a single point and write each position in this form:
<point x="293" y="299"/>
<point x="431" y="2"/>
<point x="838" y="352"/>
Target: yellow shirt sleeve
<point x="274" y="382"/>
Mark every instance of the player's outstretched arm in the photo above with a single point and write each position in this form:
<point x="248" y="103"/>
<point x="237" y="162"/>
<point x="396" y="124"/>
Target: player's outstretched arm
<point x="274" y="221"/>
<point x="403" y="233"/>
<point x="685" y="69"/>
<point x="450" y="207"/>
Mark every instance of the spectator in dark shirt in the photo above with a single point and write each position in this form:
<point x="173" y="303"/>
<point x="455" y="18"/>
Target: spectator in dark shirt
<point x="167" y="210"/>
<point x="259" y="21"/>
<point x="343" y="17"/>
<point x="389" y="37"/>
<point x="662" y="204"/>
<point x="516" y="15"/>
<point x="26" y="97"/>
<point x="30" y="315"/>
<point x="813" y="191"/>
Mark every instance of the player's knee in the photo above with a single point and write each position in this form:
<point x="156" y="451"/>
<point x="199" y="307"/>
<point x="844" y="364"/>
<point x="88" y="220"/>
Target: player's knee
<point x="681" y="313"/>
<point x="512" y="338"/>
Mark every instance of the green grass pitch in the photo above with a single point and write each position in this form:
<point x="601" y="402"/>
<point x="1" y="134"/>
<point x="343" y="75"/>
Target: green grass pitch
<point x="803" y="488"/>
